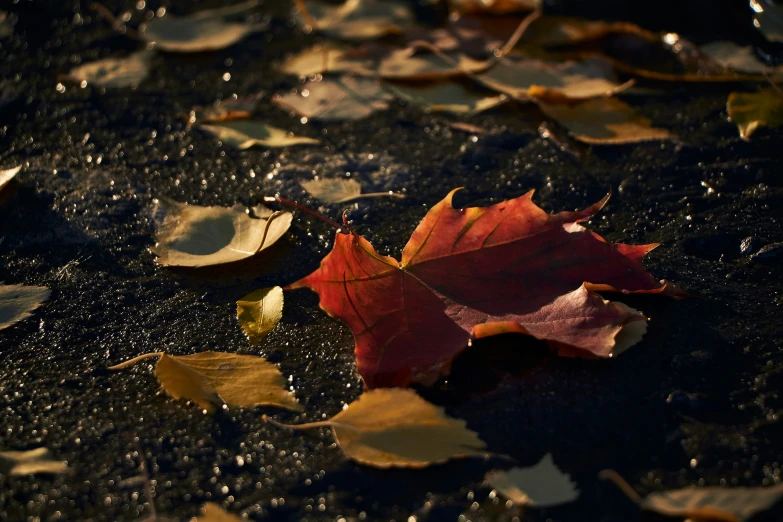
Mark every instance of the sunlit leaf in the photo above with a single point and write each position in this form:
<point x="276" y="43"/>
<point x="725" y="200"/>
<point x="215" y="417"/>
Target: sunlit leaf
<point x="18" y="301"/>
<point x="494" y="6"/>
<point x="542" y="485"/>
<point x="206" y="30"/>
<point x="220" y="111"/>
<point x="361" y="19"/>
<point x="7" y="175"/>
<point x="738" y="58"/>
<point x="340" y="190"/>
<point x="768" y="18"/>
<point x="751" y="110"/>
<point x="243" y="134"/>
<point x="259" y="312"/>
<point x="214" y="513"/>
<point x="396" y="428"/>
<point x="326" y="58"/>
<point x="447" y="97"/>
<point x="114" y="72"/>
<point x="20" y="463"/>
<point x="343" y="98"/>
<point x="408" y="64"/>
<point x="604" y="121"/>
<point x="190" y="235"/>
<point x="212" y="379"/>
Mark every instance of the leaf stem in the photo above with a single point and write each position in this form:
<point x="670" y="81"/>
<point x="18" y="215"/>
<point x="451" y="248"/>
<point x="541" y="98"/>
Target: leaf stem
<point x="307" y="426"/>
<point x="307" y="210"/>
<point x="625" y="487"/>
<point x="133" y="361"/>
<point x="309" y="20"/>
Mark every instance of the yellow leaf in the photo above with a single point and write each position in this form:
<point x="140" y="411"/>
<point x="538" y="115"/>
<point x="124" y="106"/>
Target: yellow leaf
<point x="18" y="463"/>
<point x="408" y="64"/>
<point x="114" y="72"/>
<point x="8" y="175"/>
<point x="604" y="121"/>
<point x="216" y="378"/>
<point x="244" y="134"/>
<point x="542" y="485"/>
<point x="193" y="236"/>
<point x="344" y="98"/>
<point x="751" y="110"/>
<point x="340" y="190"/>
<point x="17" y="301"/>
<point x="325" y="58"/>
<point x="447" y="97"/>
<point x="361" y="19"/>
<point x="394" y="427"/>
<point x="259" y="312"/>
<point x="226" y="110"/>
<point x="214" y="513"/>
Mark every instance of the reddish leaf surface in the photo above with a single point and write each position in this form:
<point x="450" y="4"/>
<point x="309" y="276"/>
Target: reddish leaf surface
<point x="480" y="271"/>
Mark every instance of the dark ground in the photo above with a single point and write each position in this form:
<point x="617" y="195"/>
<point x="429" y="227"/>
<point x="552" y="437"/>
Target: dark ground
<point x="697" y="402"/>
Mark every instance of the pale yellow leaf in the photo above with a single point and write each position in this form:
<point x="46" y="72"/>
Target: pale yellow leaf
<point x="340" y="190"/>
<point x="259" y="312"/>
<point x="361" y="19"/>
<point x="7" y="175"/>
<point x="343" y="98"/>
<point x="394" y="427"/>
<point x="214" y="513"/>
<point x="738" y="58"/>
<point x="17" y="301"/>
<point x="542" y="485"/>
<point x="194" y="236"/>
<point x="408" y="64"/>
<point x="604" y="121"/>
<point x="447" y="97"/>
<point x="213" y="379"/>
<point x="114" y="72"/>
<point x="751" y="110"/>
<point x="243" y="134"/>
<point x="19" y="463"/>
<point x="326" y="58"/>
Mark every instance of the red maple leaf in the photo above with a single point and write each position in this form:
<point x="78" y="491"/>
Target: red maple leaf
<point x="474" y="272"/>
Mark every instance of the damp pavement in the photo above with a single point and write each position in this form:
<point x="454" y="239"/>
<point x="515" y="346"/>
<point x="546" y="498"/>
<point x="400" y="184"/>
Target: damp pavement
<point x="696" y="403"/>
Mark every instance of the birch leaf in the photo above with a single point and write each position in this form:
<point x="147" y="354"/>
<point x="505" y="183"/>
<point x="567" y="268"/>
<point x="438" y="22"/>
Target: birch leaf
<point x="361" y="19"/>
<point x="604" y="121"/>
<point x="212" y="512"/>
<point x="213" y="379"/>
<point x="194" y="236"/>
<point x="394" y="427"/>
<point x="242" y="134"/>
<point x="738" y="58"/>
<point x="408" y="64"/>
<point x="326" y="58"/>
<point x="8" y="175"/>
<point x="343" y="98"/>
<point x="751" y="110"/>
<point x="722" y="504"/>
<point x="340" y="190"/>
<point x="259" y="312"/>
<point x="542" y="485"/>
<point x="20" y="463"/>
<point x="768" y="18"/>
<point x="114" y="72"/>
<point x="17" y="301"/>
<point x="206" y="30"/>
<point x="447" y="97"/>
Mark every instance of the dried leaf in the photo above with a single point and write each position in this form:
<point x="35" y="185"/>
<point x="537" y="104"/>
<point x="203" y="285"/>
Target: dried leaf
<point x="722" y="504"/>
<point x="768" y="18"/>
<point x="212" y="512"/>
<point x="604" y="121"/>
<point x="447" y="97"/>
<point x="326" y="58"/>
<point x="343" y="98"/>
<point x="408" y="64"/>
<point x="751" y="110"/>
<point x="206" y="30"/>
<point x="562" y="30"/>
<point x="114" y="72"/>
<point x="189" y="235"/>
<point x="494" y="6"/>
<point x="738" y="58"/>
<point x="216" y="378"/>
<point x="226" y="110"/>
<point x="361" y="19"/>
<point x="20" y="463"/>
<point x="259" y="312"/>
<point x="8" y="175"/>
<point x="243" y="134"/>
<point x="542" y="485"/>
<point x="397" y="428"/>
<point x="17" y="301"/>
<point x="340" y="190"/>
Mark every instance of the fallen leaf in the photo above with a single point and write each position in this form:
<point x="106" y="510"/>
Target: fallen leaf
<point x="326" y="58"/>
<point x="213" y="379"/>
<point x="6" y="25"/>
<point x="259" y="312"/>
<point x="343" y="98"/>
<point x="412" y="64"/>
<point x="397" y="428"/>
<point x="751" y="110"/>
<point x="193" y="236"/>
<point x="467" y="127"/>
<point x="508" y="263"/>
<point x="8" y="175"/>
<point x="206" y="30"/>
<point x="361" y="19"/>
<point x="17" y="301"/>
<point x="341" y="190"/>
<point x="571" y="81"/>
<point x="604" y="121"/>
<point x="494" y="6"/>
<point x="114" y="72"/>
<point x="226" y="110"/>
<point x="20" y="463"/>
<point x="243" y="134"/>
<point x="738" y="58"/>
<point x="768" y="18"/>
<point x="553" y="31"/>
<point x="447" y="96"/>
<point x="212" y="512"/>
<point x="542" y="485"/>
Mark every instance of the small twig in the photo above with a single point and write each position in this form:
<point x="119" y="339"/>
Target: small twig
<point x="520" y="30"/>
<point x="625" y="487"/>
<point x="307" y="210"/>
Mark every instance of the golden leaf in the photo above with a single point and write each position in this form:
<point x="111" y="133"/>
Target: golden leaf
<point x="17" y="301"/>
<point x="325" y="58"/>
<point x="259" y="312"/>
<point x="214" y="513"/>
<point x="408" y="64"/>
<point x="242" y="135"/>
<point x="341" y="190"/>
<point x="542" y="485"/>
<point x="18" y="463"/>
<point x="394" y="427"/>
<point x="447" y="97"/>
<point x="114" y="72"/>
<point x="8" y="175"/>
<point x="361" y="19"/>
<point x="751" y="110"/>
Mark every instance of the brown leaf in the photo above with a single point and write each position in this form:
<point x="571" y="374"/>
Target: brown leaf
<point x="18" y="301"/>
<point x="408" y="64"/>
<point x="327" y="58"/>
<point x="114" y="72"/>
<point x="360" y="19"/>
<point x="343" y="98"/>
<point x="447" y="97"/>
